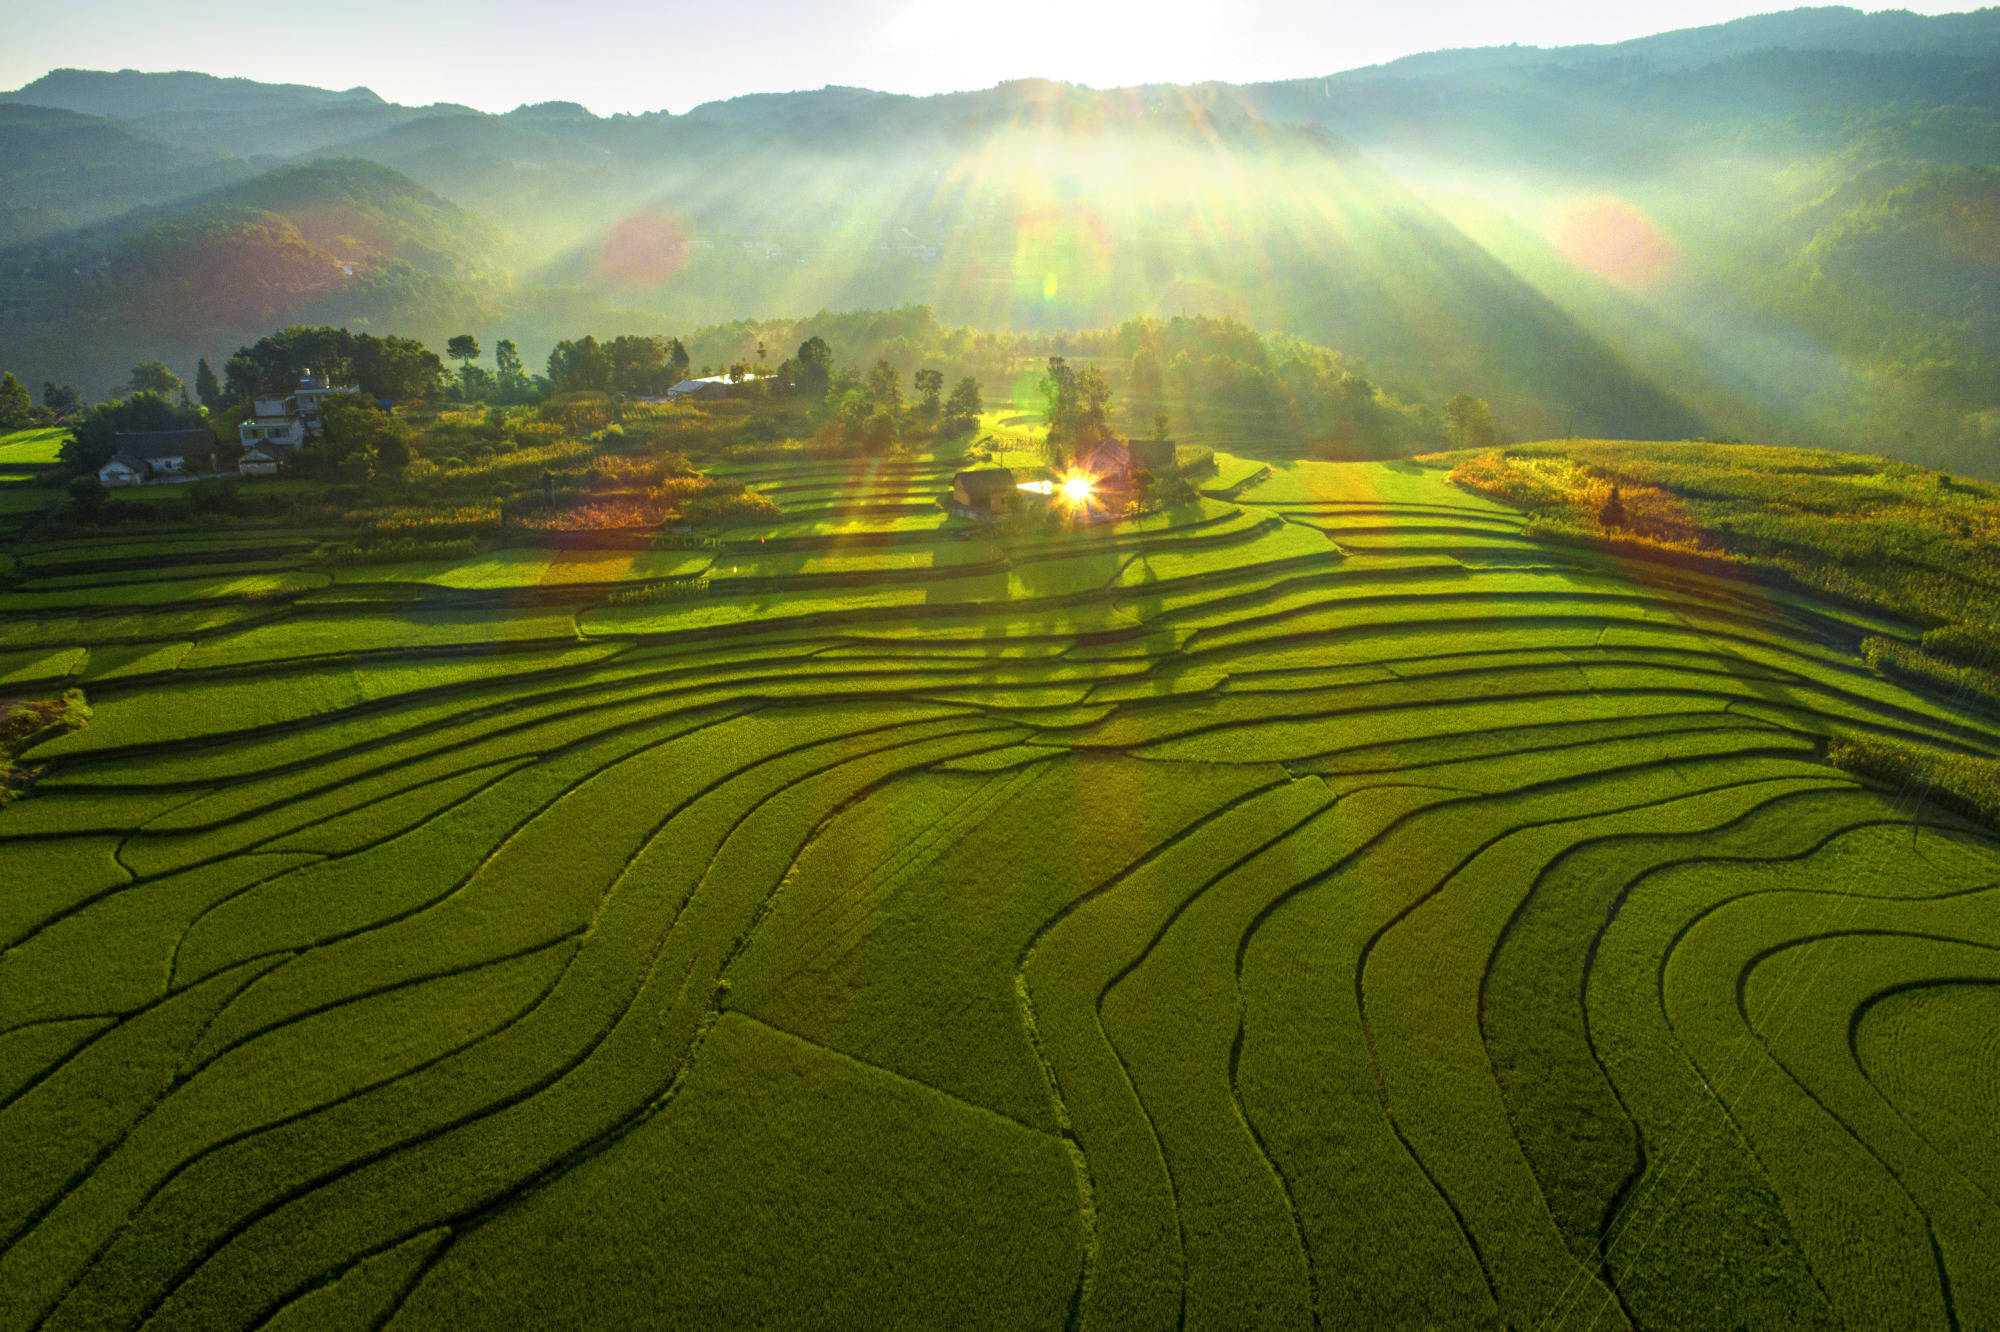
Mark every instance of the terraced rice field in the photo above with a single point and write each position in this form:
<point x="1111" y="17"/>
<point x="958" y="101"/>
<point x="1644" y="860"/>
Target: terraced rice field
<point x="1320" y="906"/>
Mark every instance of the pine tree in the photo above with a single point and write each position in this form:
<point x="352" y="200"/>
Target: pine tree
<point x="207" y="387"/>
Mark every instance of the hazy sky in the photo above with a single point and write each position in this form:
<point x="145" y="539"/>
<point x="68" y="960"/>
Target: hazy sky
<point x="631" y="55"/>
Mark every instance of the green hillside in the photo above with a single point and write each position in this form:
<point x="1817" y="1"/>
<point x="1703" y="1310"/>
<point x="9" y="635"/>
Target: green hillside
<point x="65" y="170"/>
<point x="337" y="241"/>
<point x="1343" y="903"/>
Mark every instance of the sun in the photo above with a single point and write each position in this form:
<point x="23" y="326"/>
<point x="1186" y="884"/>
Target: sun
<point x="1078" y="487"/>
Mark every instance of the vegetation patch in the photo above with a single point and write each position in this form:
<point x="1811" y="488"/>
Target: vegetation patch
<point x="25" y="723"/>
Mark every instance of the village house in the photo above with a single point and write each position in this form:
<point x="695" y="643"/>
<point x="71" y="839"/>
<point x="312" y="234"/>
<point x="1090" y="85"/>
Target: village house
<point x="142" y="457"/>
<point x="279" y="425"/>
<point x="981" y="493"/>
<point x="313" y="391"/>
<point x="272" y="427"/>
<point x="257" y="461"/>
<point x="1113" y="462"/>
<point x="708" y="387"/>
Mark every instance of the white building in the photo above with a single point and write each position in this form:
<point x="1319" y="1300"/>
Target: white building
<point x="287" y="423"/>
<point x="312" y="392"/>
<point x="272" y="430"/>
<point x="141" y="457"/>
<point x="709" y="386"/>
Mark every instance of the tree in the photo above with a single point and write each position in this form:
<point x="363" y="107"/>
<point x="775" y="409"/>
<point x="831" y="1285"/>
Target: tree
<point x="879" y="434"/>
<point x="815" y="366"/>
<point x="1160" y="424"/>
<point x="1058" y="394"/>
<point x="1094" y="405"/>
<point x="393" y="453"/>
<point x="62" y="401"/>
<point x="154" y="377"/>
<point x="207" y="387"/>
<point x="677" y="362"/>
<point x="395" y="368"/>
<point x="638" y="365"/>
<point x="850" y="415"/>
<point x="1471" y="421"/>
<point x="475" y="384"/>
<point x="1077" y="404"/>
<point x="507" y="368"/>
<point x="963" y="407"/>
<point x="930" y="391"/>
<point x="357" y="423"/>
<point x="360" y="440"/>
<point x="17" y="409"/>
<point x="1145" y="382"/>
<point x="463" y="348"/>
<point x="87" y="495"/>
<point x="579" y="366"/>
<point x="94" y="436"/>
<point x="884" y="387"/>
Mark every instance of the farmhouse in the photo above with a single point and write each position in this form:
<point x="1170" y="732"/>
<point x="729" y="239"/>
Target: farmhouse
<point x="257" y="462"/>
<point x="1114" y="461"/>
<point x="981" y="492"/>
<point x="313" y="391"/>
<point x="287" y="423"/>
<point x="707" y="387"/>
<point x="273" y="429"/>
<point x="140" y="457"/>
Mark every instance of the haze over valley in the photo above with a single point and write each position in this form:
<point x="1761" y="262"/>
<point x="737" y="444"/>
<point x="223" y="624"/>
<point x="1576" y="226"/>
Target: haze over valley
<point x="1779" y="228"/>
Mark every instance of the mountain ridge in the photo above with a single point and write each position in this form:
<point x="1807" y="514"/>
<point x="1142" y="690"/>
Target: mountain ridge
<point x="1665" y="257"/>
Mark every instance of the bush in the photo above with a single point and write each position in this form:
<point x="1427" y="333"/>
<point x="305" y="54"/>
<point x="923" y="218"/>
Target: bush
<point x="652" y="593"/>
<point x="396" y="550"/>
<point x="87" y="496"/>
<point x="1963" y="783"/>
<point x="1964" y="643"/>
<point x="27" y="723"/>
<point x="1901" y="660"/>
<point x="725" y="507"/>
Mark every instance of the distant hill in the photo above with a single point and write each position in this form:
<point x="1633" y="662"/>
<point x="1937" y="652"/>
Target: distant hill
<point x="131" y="93"/>
<point x="1658" y="237"/>
<point x="339" y="241"/>
<point x="1823" y="28"/>
<point x="237" y="117"/>
<point x="64" y="170"/>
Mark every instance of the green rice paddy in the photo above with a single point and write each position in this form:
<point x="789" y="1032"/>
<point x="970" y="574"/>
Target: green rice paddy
<point x="1323" y="905"/>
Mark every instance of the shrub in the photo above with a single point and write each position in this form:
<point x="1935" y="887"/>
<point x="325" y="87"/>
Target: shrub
<point x="1900" y="659"/>
<point x="1964" y="643"/>
<point x="27" y="723"/>
<point x="396" y="550"/>
<point x="675" y="589"/>
<point x="1965" y="783"/>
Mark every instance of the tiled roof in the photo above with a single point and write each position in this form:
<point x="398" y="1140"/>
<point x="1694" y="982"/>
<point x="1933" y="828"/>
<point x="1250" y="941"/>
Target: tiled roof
<point x="146" y="445"/>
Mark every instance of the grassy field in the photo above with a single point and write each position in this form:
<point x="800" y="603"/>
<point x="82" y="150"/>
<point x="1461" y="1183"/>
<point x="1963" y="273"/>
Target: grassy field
<point x="1343" y="901"/>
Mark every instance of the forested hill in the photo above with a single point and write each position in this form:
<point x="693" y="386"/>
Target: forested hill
<point x="335" y="241"/>
<point x="1770" y="228"/>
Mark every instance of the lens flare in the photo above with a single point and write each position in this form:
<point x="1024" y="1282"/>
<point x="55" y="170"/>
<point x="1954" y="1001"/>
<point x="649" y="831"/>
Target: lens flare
<point x="1614" y="240"/>
<point x="1078" y="488"/>
<point x="643" y="249"/>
